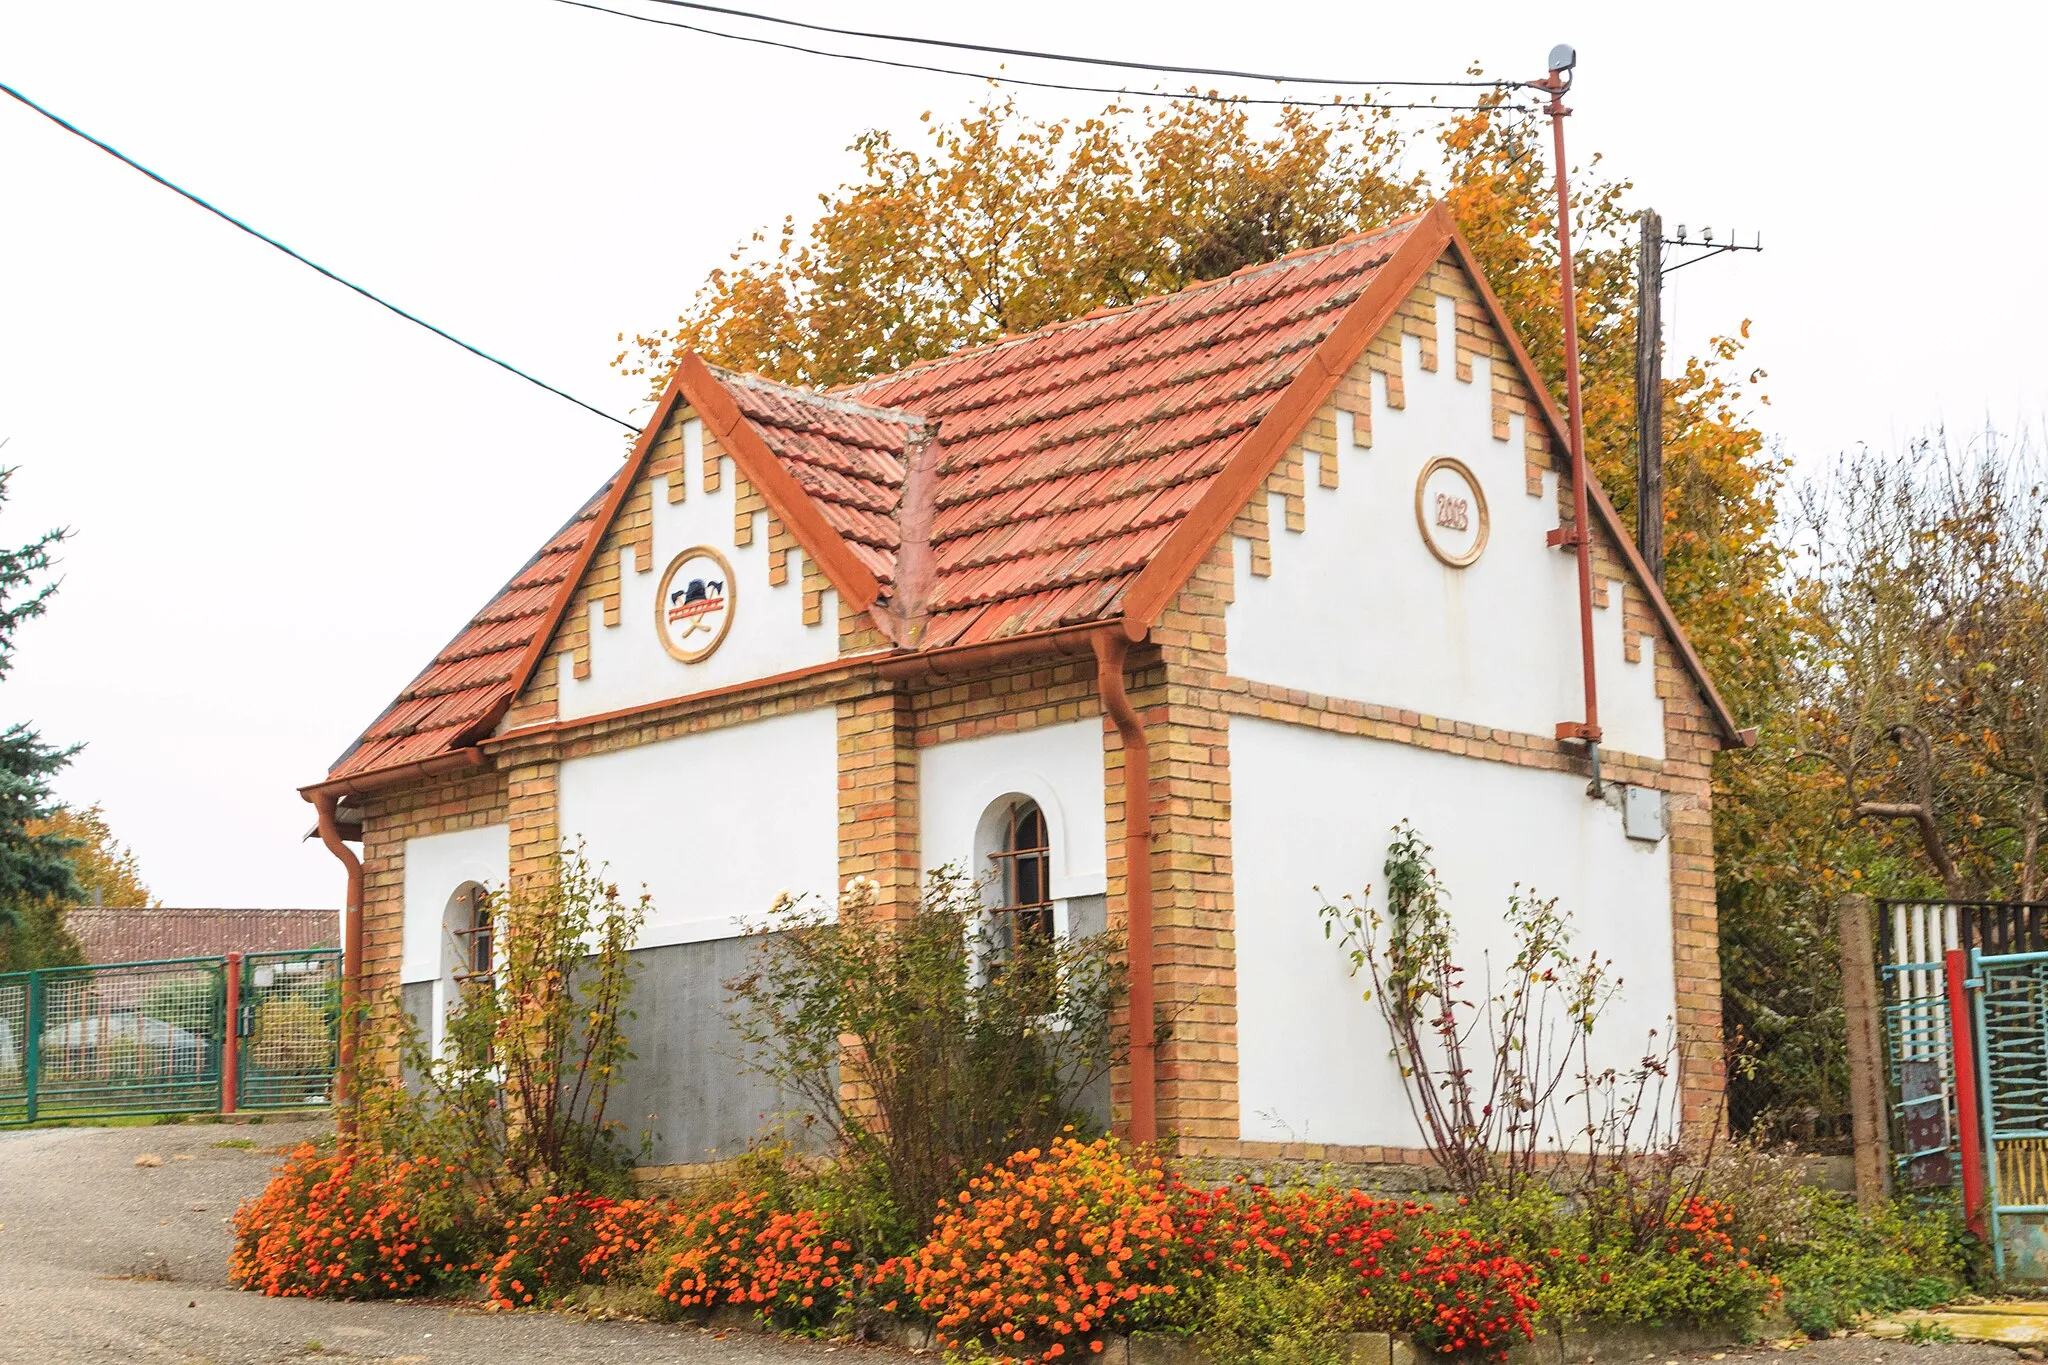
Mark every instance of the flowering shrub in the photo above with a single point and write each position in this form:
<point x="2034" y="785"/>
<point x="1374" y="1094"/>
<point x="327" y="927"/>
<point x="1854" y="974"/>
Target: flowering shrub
<point x="1684" y="1261"/>
<point x="341" y="1227"/>
<point x="1040" y="1256"/>
<point x="1466" y="1294"/>
<point x="1446" y="1286"/>
<point x="563" y="1240"/>
<point x="1244" y="1226"/>
<point x="747" y="1253"/>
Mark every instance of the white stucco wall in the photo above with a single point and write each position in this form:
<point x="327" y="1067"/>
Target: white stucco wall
<point x="1058" y="766"/>
<point x="1358" y="607"/>
<point x="713" y="824"/>
<point x="1312" y="809"/>
<point x="629" y="666"/>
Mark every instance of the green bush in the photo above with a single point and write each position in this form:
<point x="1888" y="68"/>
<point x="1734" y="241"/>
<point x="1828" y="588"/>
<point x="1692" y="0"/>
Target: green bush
<point x="1681" y="1262"/>
<point x="920" y="1045"/>
<point x="1847" y="1262"/>
<point x="1271" y="1317"/>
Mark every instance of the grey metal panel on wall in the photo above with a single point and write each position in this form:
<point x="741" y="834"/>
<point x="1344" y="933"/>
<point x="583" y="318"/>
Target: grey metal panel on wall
<point x="685" y="1090"/>
<point x="416" y="998"/>
<point x="1086" y="917"/>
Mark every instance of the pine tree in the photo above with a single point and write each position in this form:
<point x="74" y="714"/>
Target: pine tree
<point x="34" y="867"/>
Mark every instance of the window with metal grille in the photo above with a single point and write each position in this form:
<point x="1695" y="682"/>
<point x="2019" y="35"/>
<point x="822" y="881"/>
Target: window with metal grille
<point x="1023" y="865"/>
<point x="470" y="917"/>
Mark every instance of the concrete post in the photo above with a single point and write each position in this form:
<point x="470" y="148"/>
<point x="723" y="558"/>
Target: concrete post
<point x="1863" y="1013"/>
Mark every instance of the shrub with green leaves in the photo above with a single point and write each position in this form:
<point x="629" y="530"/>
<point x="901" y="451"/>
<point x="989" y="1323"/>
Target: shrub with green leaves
<point x="1268" y="1316"/>
<point x="1850" y="1261"/>
<point x="923" y="1045"/>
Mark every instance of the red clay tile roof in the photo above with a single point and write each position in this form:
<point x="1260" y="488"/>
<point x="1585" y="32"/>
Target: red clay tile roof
<point x="140" y="935"/>
<point x="1013" y="488"/>
<point x="476" y="674"/>
<point x="848" y="457"/>
<point x="1065" y="458"/>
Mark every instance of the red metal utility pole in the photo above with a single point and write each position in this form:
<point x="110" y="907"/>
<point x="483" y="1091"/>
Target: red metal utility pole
<point x="1962" y="1023"/>
<point x="1562" y="60"/>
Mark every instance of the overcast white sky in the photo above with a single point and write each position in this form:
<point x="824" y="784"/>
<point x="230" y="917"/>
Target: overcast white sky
<point x="286" y="499"/>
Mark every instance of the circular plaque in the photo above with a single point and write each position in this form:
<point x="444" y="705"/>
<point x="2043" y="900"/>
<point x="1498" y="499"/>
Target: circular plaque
<point x="1450" y="507"/>
<point x="694" y="605"/>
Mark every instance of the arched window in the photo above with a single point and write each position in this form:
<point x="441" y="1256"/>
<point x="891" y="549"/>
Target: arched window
<point x="1023" y="880"/>
<point x="469" y="926"/>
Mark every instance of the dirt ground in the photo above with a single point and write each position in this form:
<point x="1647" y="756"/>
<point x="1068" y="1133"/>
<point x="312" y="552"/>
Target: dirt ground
<point x="103" y="1260"/>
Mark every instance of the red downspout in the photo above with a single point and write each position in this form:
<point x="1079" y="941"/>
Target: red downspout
<point x="1969" y="1119"/>
<point x="1580" y="536"/>
<point x="1110" y="647"/>
<point x="351" y="959"/>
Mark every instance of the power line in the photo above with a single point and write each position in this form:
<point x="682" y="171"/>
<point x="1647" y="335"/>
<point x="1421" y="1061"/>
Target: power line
<point x="132" y="163"/>
<point x="1167" y="69"/>
<point x="1203" y="97"/>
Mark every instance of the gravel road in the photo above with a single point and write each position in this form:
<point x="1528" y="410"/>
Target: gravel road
<point x="104" y="1260"/>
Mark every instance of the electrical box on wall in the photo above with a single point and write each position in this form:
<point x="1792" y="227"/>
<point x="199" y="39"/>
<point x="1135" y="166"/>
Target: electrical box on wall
<point x="1642" y="813"/>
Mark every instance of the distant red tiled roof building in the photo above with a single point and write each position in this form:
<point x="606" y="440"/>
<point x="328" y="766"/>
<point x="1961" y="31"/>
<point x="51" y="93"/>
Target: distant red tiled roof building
<point x="145" y="934"/>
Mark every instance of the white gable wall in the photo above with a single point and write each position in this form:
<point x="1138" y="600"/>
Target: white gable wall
<point x="1357" y="606"/>
<point x="1312" y="809"/>
<point x="629" y="666"/>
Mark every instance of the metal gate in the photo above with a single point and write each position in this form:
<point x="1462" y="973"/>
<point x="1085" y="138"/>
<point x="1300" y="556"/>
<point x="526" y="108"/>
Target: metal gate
<point x="288" y="1029"/>
<point x="2010" y="1003"/>
<point x="1914" y="938"/>
<point x="133" y="1038"/>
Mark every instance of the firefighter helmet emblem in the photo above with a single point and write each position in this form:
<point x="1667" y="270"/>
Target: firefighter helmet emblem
<point x="693" y="607"/>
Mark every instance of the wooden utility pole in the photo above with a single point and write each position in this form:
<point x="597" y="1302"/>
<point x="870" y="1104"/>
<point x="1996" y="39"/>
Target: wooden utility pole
<point x="1863" y="1013"/>
<point x="1650" y="396"/>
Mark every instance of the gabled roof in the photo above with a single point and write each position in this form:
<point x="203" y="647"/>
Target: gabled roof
<point x="1070" y="476"/>
<point x="1065" y="460"/>
<point x="467" y="687"/>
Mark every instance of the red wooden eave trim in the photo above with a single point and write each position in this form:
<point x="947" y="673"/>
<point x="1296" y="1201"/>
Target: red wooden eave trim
<point x="1207" y="520"/>
<point x="1433" y="234"/>
<point x="600" y="526"/>
<point x="1603" y="508"/>
<point x="784" y="494"/>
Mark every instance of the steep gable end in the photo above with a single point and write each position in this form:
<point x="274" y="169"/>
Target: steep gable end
<point x="472" y="680"/>
<point x="1065" y="461"/>
<point x="1075" y="475"/>
<point x="793" y="491"/>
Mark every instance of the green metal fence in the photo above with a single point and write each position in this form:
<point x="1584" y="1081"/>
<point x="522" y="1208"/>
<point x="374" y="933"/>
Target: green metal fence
<point x="290" y="1029"/>
<point x="132" y="1038"/>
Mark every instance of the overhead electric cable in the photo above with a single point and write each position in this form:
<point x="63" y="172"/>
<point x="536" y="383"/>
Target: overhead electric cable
<point x="1209" y="97"/>
<point x="132" y="163"/>
<point x="1162" y="67"/>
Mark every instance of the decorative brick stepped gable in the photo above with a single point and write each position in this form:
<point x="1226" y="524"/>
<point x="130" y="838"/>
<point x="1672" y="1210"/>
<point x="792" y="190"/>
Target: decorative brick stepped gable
<point x="1010" y="491"/>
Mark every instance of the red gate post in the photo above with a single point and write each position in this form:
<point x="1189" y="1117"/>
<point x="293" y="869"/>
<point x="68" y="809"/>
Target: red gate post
<point x="231" y="1050"/>
<point x="1969" y="1120"/>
